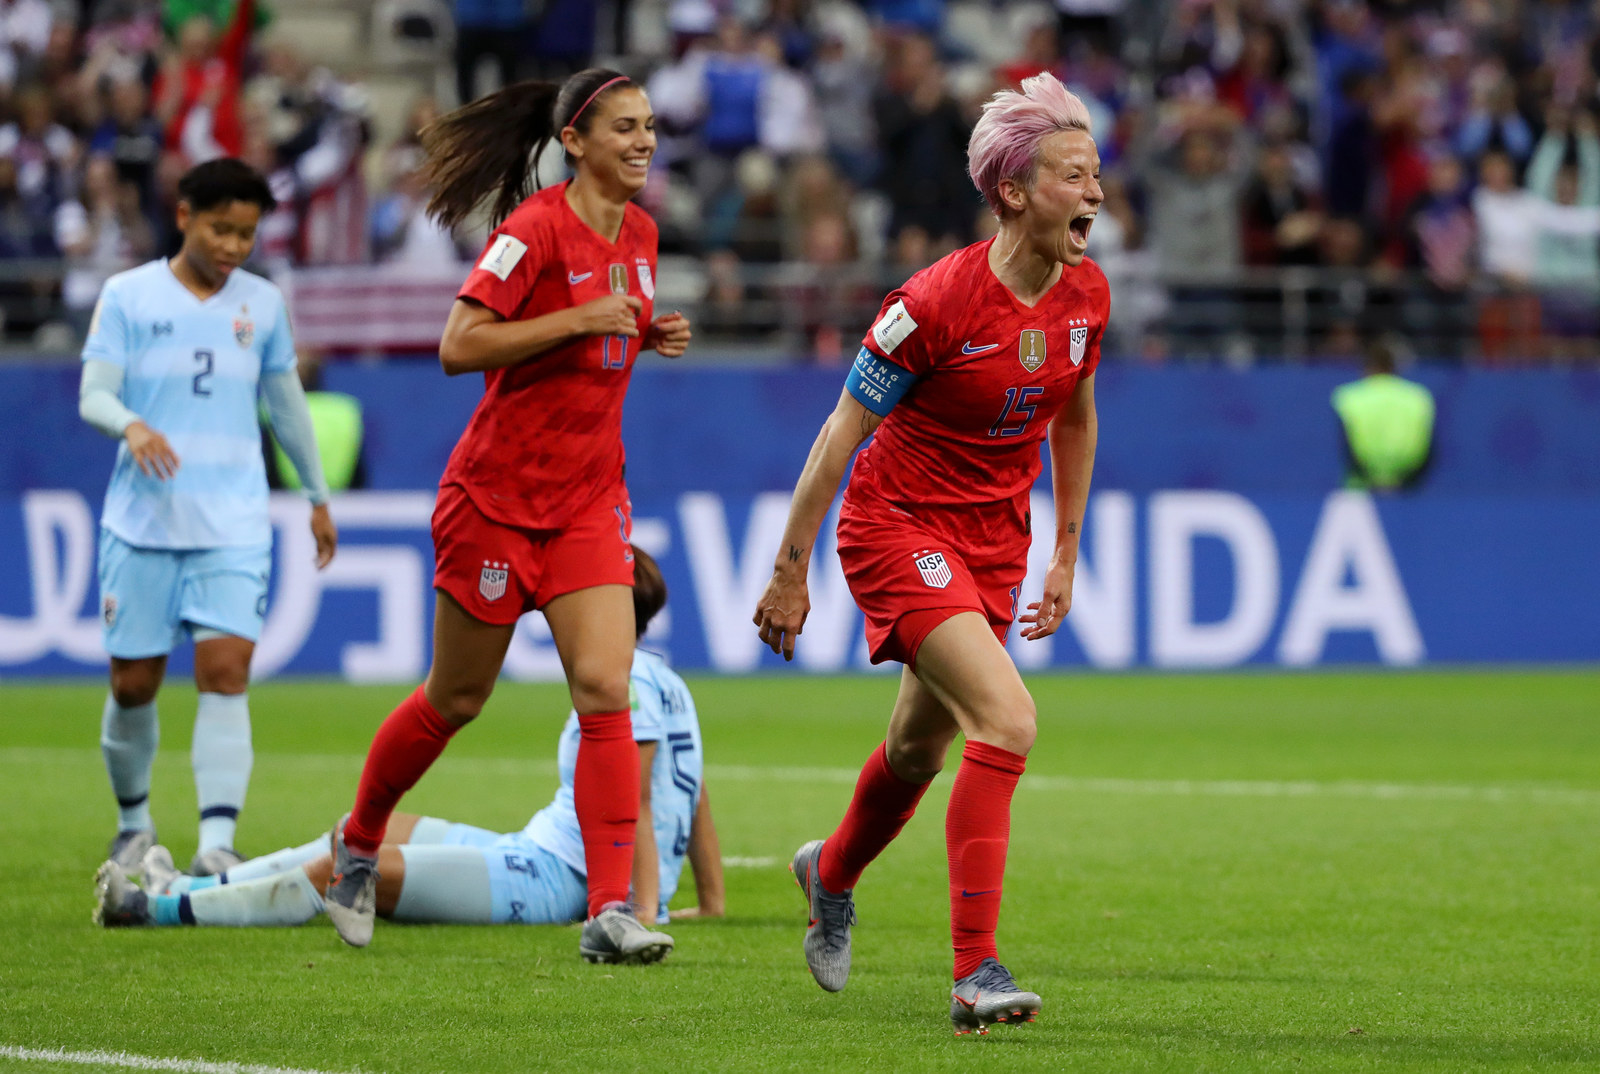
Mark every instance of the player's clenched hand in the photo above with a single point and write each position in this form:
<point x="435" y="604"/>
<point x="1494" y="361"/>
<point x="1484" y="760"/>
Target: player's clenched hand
<point x="151" y="451"/>
<point x="669" y="335"/>
<point x="326" y="533"/>
<point x="781" y="613"/>
<point x="1045" y="614"/>
<point x="609" y="315"/>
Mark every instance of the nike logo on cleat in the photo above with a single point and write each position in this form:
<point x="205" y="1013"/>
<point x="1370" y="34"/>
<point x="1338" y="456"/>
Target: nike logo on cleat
<point x="573" y="277"/>
<point x="971" y="1003"/>
<point x="965" y="894"/>
<point x="968" y="348"/>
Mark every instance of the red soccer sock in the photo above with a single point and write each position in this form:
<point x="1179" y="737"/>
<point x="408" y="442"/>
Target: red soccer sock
<point x="977" y="829"/>
<point x="407" y="744"/>
<point x="882" y="804"/>
<point x="605" y="793"/>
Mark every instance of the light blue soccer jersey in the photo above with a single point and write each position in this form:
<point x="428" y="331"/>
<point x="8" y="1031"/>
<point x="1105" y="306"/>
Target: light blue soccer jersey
<point x="191" y="370"/>
<point x="663" y="712"/>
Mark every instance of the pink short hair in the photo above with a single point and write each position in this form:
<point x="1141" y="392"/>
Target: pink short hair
<point x="1005" y="143"/>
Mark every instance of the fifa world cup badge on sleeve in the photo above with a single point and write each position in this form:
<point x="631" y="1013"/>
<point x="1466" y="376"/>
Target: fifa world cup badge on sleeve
<point x="1079" y="339"/>
<point x="492" y="582"/>
<point x="1030" y="348"/>
<point x="502" y="256"/>
<point x="935" y="571"/>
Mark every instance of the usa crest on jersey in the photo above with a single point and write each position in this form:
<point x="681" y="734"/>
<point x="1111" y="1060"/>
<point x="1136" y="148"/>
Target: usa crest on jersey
<point x="492" y="582"/>
<point x="647" y="282"/>
<point x="935" y="571"/>
<point x="1077" y="340"/>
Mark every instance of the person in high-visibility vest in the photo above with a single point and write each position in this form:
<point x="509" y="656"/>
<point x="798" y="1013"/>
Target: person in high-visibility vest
<point x="340" y="430"/>
<point x="1388" y="426"/>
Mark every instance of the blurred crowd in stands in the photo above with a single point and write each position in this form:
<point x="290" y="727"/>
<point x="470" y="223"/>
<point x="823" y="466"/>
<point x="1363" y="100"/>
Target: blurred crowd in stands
<point x="1283" y="178"/>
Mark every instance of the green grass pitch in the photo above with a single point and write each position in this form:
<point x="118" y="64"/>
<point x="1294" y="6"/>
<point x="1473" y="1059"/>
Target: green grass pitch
<point x="1208" y="873"/>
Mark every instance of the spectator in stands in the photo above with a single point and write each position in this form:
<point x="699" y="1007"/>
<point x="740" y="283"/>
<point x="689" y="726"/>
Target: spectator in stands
<point x="1440" y="238"/>
<point x="175" y="14"/>
<point x="488" y="29"/>
<point x="197" y="91"/>
<point x="402" y="230"/>
<point x="131" y="139"/>
<point x="563" y="38"/>
<point x="100" y="233"/>
<point x="24" y="36"/>
<point x="923" y="131"/>
<point x="1281" y="217"/>
<point x="1567" y="265"/>
<point x="44" y="151"/>
<point x="25" y="223"/>
<point x="1493" y="120"/>
<point x="843" y="82"/>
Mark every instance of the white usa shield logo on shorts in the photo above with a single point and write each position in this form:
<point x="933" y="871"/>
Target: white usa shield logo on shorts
<point x="1078" y="339"/>
<point x="935" y="571"/>
<point x="492" y="582"/>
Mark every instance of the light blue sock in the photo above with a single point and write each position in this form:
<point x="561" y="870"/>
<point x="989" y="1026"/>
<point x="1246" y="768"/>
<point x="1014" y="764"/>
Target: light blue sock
<point x="288" y="898"/>
<point x="183" y="883"/>
<point x="278" y="861"/>
<point x="222" y="757"/>
<point x="128" y="740"/>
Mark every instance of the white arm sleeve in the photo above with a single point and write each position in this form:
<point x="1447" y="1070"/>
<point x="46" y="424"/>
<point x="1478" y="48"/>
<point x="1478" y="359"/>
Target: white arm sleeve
<point x="100" y="398"/>
<point x="291" y="423"/>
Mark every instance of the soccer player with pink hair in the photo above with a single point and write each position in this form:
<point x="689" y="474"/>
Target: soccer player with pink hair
<point x="971" y="365"/>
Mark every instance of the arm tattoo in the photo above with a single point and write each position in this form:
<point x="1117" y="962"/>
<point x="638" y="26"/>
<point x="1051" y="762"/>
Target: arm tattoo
<point x="794" y="554"/>
<point x="1072" y="527"/>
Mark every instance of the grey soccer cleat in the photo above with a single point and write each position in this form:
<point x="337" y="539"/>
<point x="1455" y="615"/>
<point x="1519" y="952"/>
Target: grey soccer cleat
<point x="989" y="995"/>
<point x="128" y="848"/>
<point x="827" y="943"/>
<point x="615" y="935"/>
<point x="157" y="871"/>
<point x="117" y="903"/>
<point x="214" y="862"/>
<point x="352" y="895"/>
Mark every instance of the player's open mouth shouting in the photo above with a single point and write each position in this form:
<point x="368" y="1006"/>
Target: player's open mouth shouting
<point x="1079" y="227"/>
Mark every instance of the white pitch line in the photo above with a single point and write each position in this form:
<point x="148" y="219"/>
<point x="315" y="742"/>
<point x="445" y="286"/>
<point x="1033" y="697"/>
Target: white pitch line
<point x="143" y="1062"/>
<point x="1185" y="788"/>
<point x="736" y="862"/>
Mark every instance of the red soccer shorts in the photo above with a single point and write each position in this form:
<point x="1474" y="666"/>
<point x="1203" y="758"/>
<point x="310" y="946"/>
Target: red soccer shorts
<point x="907" y="580"/>
<point x="498" y="572"/>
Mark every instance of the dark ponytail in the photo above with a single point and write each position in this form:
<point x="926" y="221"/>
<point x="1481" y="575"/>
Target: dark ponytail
<point x="493" y="145"/>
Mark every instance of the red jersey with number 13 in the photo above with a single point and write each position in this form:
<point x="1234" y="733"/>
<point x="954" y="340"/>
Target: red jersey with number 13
<point x="546" y="439"/>
<point x="961" y="451"/>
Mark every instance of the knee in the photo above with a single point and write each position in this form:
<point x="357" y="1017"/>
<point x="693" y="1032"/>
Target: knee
<point x="598" y="687"/>
<point x="222" y="676"/>
<point x="1011" y="723"/>
<point x="916" y="760"/>
<point x="130" y="688"/>
<point x="460" y="703"/>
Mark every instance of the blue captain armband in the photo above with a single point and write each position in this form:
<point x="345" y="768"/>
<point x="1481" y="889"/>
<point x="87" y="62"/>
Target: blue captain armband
<point x="877" y="383"/>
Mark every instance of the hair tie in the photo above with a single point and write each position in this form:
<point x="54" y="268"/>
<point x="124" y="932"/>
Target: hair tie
<point x="573" y="122"/>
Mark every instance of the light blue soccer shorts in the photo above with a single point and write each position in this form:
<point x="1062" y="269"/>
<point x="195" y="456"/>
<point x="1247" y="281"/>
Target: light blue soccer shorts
<point x="152" y="598"/>
<point x="528" y="885"/>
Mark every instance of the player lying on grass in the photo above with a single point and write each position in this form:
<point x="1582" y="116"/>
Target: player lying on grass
<point x="435" y="871"/>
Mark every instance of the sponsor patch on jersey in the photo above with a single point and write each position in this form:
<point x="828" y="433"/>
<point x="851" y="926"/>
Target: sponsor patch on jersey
<point x="893" y="327"/>
<point x="244" y="329"/>
<point x="647" y="282"/>
<point x="1077" y="340"/>
<point x="492" y="582"/>
<point x="935" y="571"/>
<point x="1030" y="348"/>
<point x="619" y="279"/>
<point x="503" y="255"/>
<point x="108" y="610"/>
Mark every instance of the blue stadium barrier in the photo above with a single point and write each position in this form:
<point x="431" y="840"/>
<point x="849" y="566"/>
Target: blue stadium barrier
<point x="1215" y="538"/>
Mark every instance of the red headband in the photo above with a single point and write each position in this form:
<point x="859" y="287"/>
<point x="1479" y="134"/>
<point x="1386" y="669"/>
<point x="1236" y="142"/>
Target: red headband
<point x="573" y="122"/>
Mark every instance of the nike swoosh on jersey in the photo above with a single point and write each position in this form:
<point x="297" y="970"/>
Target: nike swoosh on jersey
<point x="573" y="277"/>
<point x="968" y="348"/>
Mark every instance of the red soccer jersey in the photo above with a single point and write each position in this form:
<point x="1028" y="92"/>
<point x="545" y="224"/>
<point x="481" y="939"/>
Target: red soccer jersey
<point x="546" y="439"/>
<point x="961" y="450"/>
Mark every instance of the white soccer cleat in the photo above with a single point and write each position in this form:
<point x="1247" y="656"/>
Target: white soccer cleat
<point x="352" y="895"/>
<point x="157" y="871"/>
<point x="615" y="935"/>
<point x="117" y="903"/>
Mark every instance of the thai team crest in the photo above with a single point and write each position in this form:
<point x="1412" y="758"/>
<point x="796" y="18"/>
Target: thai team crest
<point x="1030" y="348"/>
<point x="935" y="571"/>
<point x="1077" y="340"/>
<point x="244" y="329"/>
<point x="492" y="582"/>
<point x="647" y="282"/>
<point x="108" y="610"/>
<point x="619" y="279"/>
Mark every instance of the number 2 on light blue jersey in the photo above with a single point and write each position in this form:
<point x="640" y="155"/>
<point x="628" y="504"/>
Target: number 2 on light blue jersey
<point x="207" y="362"/>
<point x="1017" y="405"/>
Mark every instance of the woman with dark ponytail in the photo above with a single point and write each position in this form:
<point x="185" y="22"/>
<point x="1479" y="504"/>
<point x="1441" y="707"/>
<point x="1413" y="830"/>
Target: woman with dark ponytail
<point x="532" y="510"/>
